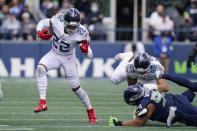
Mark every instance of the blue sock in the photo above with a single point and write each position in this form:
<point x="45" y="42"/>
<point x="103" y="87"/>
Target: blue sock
<point x="181" y="81"/>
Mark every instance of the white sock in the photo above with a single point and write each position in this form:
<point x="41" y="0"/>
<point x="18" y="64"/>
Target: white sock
<point x="82" y="95"/>
<point x="42" y="81"/>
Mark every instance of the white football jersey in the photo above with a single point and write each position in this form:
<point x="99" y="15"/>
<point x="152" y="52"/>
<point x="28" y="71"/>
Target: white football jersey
<point x="149" y="77"/>
<point x="64" y="44"/>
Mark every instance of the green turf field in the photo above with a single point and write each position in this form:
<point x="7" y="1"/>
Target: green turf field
<point x="66" y="113"/>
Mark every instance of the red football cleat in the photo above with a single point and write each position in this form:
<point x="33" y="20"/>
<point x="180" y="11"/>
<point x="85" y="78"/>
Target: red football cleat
<point x="91" y="116"/>
<point x="42" y="106"/>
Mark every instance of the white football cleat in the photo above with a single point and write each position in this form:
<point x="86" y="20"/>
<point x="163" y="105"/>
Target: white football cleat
<point x="171" y="116"/>
<point x="121" y="56"/>
<point x="1" y="92"/>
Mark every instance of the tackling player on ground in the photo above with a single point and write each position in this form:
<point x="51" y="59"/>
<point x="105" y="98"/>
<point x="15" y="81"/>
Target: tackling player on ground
<point x="67" y="32"/>
<point x="157" y="106"/>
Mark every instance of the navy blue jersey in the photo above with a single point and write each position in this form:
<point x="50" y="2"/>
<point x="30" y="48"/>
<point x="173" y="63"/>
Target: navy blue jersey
<point x="160" y="100"/>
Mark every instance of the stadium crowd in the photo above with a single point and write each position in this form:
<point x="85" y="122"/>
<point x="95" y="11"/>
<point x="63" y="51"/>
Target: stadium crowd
<point x="168" y="22"/>
<point x="18" y="23"/>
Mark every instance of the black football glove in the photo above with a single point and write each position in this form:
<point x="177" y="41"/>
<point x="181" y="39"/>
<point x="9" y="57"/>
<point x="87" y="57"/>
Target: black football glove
<point x="113" y="121"/>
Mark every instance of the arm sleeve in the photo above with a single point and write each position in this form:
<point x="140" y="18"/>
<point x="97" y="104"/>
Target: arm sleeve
<point x="43" y="24"/>
<point x="90" y="54"/>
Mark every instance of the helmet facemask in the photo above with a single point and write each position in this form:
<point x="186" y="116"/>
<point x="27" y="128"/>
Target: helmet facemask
<point x="71" y="20"/>
<point x="71" y="27"/>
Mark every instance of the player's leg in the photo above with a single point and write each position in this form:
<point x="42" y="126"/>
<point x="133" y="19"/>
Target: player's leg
<point x="189" y="94"/>
<point x="191" y="119"/>
<point x="47" y="62"/>
<point x="119" y="75"/>
<point x="71" y="71"/>
<point x="184" y="109"/>
<point x="181" y="81"/>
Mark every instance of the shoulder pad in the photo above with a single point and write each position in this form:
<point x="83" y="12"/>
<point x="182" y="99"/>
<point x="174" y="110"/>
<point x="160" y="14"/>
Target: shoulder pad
<point x="58" y="18"/>
<point x="153" y="68"/>
<point x="130" y="71"/>
<point x="83" y="32"/>
<point x="158" y="65"/>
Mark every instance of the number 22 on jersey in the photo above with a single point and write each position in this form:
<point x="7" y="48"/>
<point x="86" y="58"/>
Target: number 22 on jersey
<point x="63" y="47"/>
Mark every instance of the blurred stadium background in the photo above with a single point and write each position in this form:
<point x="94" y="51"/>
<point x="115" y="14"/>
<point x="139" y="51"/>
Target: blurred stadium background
<point x="115" y="26"/>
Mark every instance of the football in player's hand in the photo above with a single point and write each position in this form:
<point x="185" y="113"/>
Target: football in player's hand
<point x="44" y="34"/>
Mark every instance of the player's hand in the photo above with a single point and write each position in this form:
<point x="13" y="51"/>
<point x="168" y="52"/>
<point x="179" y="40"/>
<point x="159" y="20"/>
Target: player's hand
<point x="113" y="121"/>
<point x="189" y="61"/>
<point x="158" y="75"/>
<point x="84" y="46"/>
<point x="44" y="34"/>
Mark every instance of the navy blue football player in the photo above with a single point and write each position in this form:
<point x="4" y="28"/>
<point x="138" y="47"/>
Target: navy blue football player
<point x="158" y="106"/>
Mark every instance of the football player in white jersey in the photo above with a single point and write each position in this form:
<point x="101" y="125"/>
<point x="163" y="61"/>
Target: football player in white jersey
<point x="143" y="69"/>
<point x="67" y="33"/>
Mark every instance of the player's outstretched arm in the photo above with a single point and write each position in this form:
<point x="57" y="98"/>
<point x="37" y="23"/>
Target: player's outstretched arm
<point x="181" y="81"/>
<point x="139" y="121"/>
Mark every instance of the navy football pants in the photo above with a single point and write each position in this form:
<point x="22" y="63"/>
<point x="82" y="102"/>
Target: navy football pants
<point x="185" y="110"/>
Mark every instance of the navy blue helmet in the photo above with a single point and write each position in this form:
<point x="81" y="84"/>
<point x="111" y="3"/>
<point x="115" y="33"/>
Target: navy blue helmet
<point x="142" y="62"/>
<point x="133" y="94"/>
<point x="71" y="20"/>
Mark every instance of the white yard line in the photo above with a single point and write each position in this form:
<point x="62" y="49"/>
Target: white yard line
<point x="3" y="125"/>
<point x="65" y="102"/>
<point x="48" y="120"/>
<point x="17" y="129"/>
<point x="66" y="107"/>
<point x="54" y="126"/>
<point x="52" y="113"/>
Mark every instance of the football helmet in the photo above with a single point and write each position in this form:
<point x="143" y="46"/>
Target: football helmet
<point x="142" y="63"/>
<point x="71" y="20"/>
<point x="133" y="94"/>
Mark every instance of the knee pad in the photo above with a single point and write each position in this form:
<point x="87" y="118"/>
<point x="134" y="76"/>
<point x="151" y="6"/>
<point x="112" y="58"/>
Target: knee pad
<point x="74" y="83"/>
<point x="41" y="71"/>
<point x="115" y="80"/>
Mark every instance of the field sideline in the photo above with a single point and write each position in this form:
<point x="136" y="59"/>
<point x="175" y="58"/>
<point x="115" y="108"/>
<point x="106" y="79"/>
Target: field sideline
<point x="66" y="113"/>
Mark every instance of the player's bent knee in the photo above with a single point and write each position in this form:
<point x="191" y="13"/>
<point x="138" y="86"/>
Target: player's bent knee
<point x="41" y="70"/>
<point x="114" y="80"/>
<point x="74" y="83"/>
<point x="75" y="89"/>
